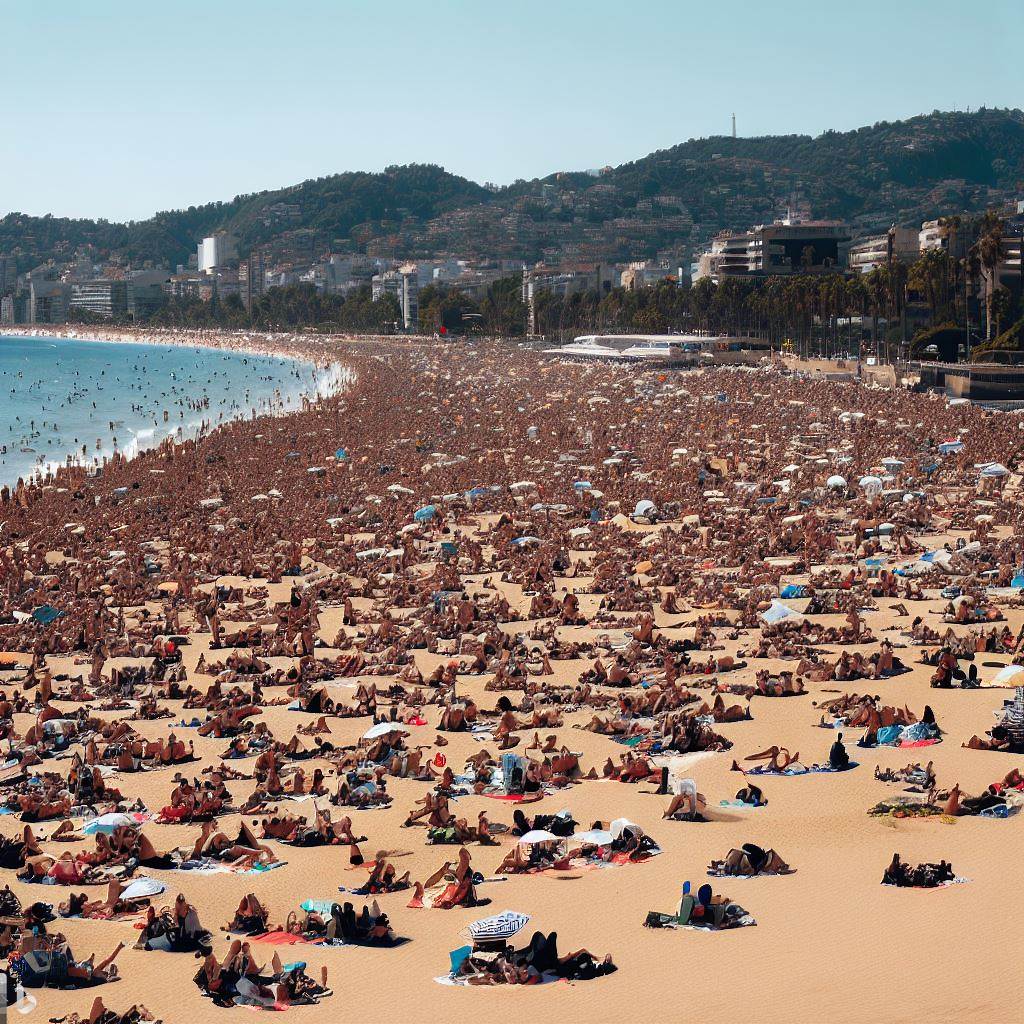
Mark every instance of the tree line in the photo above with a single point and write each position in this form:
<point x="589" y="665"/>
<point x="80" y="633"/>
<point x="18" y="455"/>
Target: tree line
<point x="896" y="309"/>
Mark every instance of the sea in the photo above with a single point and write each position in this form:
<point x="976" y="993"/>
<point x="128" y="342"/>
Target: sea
<point x="62" y="397"/>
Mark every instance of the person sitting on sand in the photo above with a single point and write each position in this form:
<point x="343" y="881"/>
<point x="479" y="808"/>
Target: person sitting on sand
<point x="749" y="860"/>
<point x="838" y="758"/>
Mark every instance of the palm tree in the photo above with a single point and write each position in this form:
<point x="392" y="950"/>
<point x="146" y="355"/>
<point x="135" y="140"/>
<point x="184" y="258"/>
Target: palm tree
<point x="989" y="252"/>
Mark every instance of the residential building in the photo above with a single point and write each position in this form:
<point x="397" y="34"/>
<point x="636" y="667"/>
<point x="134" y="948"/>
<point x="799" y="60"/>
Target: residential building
<point x="782" y="248"/>
<point x="183" y="286"/>
<point x="7" y="310"/>
<point x="344" y="274"/>
<point x="879" y="250"/>
<point x="101" y="297"/>
<point x="944" y="234"/>
<point x="1008" y="272"/>
<point x="252" y="278"/>
<point x="216" y="252"/>
<point x="146" y="293"/>
<point x="47" y="301"/>
<point x="644" y="274"/>
<point x="563" y="282"/>
<point x="409" y="296"/>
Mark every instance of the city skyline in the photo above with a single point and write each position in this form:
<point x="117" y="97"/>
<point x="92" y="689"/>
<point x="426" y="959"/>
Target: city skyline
<point x="209" y="103"/>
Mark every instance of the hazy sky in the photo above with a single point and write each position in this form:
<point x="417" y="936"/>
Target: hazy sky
<point x="116" y="110"/>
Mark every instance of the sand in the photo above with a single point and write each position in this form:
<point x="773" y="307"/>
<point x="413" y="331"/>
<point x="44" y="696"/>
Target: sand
<point x="830" y="944"/>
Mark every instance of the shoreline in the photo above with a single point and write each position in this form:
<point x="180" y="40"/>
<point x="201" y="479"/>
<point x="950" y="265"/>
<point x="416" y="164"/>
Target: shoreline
<point x="434" y="533"/>
<point x="330" y="377"/>
<point x="283" y="345"/>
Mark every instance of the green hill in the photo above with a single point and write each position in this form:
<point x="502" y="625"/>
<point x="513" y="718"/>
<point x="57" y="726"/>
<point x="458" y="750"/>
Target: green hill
<point x="669" y="203"/>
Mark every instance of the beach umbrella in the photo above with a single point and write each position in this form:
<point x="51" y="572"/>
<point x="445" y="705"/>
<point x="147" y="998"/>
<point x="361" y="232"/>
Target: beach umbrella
<point x="384" y="729"/>
<point x="778" y="612"/>
<point x="341" y="454"/>
<point x="834" y="483"/>
<point x="994" y="469"/>
<point x="950" y="447"/>
<point x="595" y="836"/>
<point x="1007" y="674"/>
<point x="582" y="485"/>
<point x="538" y="835"/>
<point x="399" y="489"/>
<point x="892" y="462"/>
<point x="645" y="507"/>
<point x="425" y="514"/>
<point x="500" y="926"/>
<point x="107" y="823"/>
<point x="870" y="484"/>
<point x="620" y="825"/>
<point x="520" y="542"/>
<point x="142" y="888"/>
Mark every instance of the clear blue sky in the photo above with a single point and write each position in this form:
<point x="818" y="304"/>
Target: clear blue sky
<point x="115" y="109"/>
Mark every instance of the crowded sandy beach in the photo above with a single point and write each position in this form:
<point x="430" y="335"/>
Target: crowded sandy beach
<point x="448" y="694"/>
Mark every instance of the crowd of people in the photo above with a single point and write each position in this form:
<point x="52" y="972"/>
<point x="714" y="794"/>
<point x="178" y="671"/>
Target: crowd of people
<point x="288" y="624"/>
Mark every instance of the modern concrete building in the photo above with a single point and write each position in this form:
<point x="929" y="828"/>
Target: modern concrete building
<point x="645" y="274"/>
<point x="101" y="297"/>
<point x="781" y="248"/>
<point x="409" y="296"/>
<point x="47" y="302"/>
<point x="564" y="281"/>
<point x="879" y="250"/>
<point x="943" y="234"/>
<point x="147" y="293"/>
<point x="252" y="278"/>
<point x="215" y="252"/>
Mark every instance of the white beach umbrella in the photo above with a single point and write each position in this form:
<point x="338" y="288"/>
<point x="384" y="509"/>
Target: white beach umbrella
<point x="596" y="836"/>
<point x="538" y="835"/>
<point x="1006" y="675"/>
<point x="499" y="926"/>
<point x="620" y="825"/>
<point x="384" y="729"/>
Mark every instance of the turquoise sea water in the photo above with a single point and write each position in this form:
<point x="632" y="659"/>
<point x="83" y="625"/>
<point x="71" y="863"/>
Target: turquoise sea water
<point x="61" y="397"/>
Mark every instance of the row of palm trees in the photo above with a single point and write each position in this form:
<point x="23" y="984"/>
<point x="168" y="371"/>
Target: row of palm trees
<point x="815" y="312"/>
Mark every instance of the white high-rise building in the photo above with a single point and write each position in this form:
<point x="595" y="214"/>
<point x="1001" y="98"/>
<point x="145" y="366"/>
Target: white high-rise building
<point x="215" y="252"/>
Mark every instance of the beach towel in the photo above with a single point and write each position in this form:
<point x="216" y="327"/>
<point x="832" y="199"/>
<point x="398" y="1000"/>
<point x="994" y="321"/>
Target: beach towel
<point x="814" y="769"/>
<point x="281" y="938"/>
<point x="929" y="888"/>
